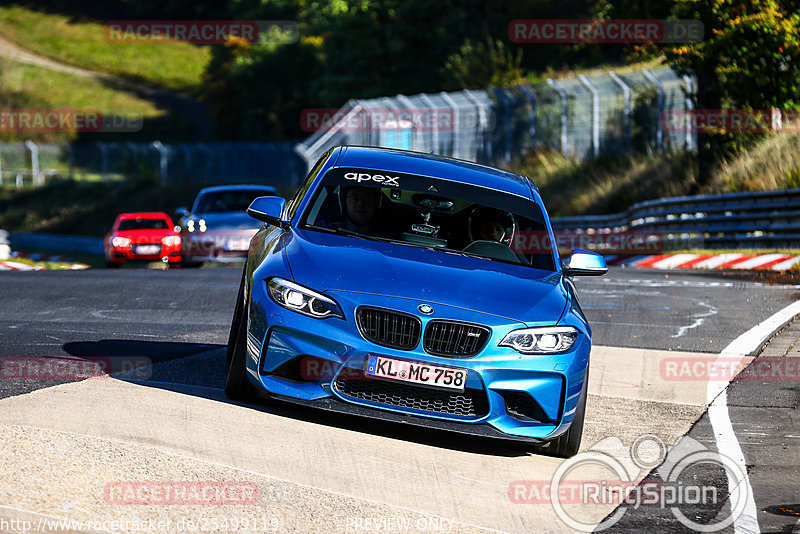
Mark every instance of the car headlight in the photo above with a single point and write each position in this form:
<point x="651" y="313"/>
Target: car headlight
<point x="202" y="225"/>
<point x="541" y="340"/>
<point x="190" y="225"/>
<point x="171" y="240"/>
<point x="303" y="300"/>
<point x="120" y="242"/>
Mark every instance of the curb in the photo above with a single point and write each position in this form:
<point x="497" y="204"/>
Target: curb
<point x="743" y="262"/>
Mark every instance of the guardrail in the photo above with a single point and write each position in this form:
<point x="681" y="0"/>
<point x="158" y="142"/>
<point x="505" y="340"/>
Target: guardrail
<point x="762" y="219"/>
<point x="57" y="242"/>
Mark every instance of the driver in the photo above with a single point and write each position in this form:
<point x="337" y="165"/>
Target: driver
<point x="360" y="207"/>
<point x="490" y="224"/>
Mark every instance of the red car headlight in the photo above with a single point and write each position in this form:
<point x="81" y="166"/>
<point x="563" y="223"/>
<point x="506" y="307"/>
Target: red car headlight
<point x="171" y="241"/>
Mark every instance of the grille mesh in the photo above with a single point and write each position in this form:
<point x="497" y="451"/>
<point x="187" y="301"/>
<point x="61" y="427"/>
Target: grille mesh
<point x="389" y="328"/>
<point x="469" y="403"/>
<point x="451" y="338"/>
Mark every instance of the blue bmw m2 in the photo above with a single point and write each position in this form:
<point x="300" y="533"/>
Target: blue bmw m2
<point x="419" y="289"/>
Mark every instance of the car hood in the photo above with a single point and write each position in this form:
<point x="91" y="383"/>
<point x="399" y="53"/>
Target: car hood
<point x="328" y="262"/>
<point x="232" y="220"/>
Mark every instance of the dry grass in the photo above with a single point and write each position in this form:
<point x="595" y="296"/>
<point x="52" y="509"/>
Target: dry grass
<point x="607" y="185"/>
<point x="772" y="163"/>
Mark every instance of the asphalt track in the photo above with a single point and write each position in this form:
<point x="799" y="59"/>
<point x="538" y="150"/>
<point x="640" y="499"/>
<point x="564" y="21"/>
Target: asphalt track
<point x="168" y="420"/>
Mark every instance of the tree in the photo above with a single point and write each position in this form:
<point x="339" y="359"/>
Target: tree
<point x="749" y="59"/>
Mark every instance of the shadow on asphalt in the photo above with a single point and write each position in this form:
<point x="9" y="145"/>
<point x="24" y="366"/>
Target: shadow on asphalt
<point x="203" y="375"/>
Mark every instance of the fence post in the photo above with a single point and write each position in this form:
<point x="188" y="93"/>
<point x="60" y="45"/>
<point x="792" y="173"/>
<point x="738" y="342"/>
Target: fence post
<point x="564" y="110"/>
<point x="532" y="100"/>
<point x="36" y="179"/>
<point x="71" y="158"/>
<point x="428" y="102"/>
<point x="689" y="108"/>
<point x="481" y="128"/>
<point x="595" y="113"/>
<point x="103" y="161"/>
<point x="162" y="163"/>
<point x="660" y="103"/>
<point x="626" y="120"/>
<point x="458" y="150"/>
<point x="506" y="101"/>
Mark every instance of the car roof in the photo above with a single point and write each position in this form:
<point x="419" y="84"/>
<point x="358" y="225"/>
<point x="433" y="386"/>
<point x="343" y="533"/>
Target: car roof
<point x="419" y="163"/>
<point x="143" y="215"/>
<point x="238" y="187"/>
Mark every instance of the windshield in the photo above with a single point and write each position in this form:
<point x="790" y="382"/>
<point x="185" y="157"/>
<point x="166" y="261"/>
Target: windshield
<point x="222" y="201"/>
<point x="428" y="212"/>
<point x="143" y="224"/>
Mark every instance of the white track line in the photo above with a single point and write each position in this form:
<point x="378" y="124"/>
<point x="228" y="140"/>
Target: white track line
<point x="674" y="261"/>
<point x="713" y="263"/>
<point x="758" y="261"/>
<point x="727" y="444"/>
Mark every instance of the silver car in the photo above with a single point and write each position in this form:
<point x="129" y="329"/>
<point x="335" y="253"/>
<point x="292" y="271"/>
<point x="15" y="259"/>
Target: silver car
<point x="218" y="228"/>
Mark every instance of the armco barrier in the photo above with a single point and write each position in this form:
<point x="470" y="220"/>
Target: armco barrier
<point x="57" y="242"/>
<point x="762" y="219"/>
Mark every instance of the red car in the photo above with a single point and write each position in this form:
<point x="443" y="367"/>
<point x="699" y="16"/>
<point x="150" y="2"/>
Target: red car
<point x="142" y="237"/>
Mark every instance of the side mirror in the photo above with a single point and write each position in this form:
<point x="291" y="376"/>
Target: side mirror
<point x="182" y="212"/>
<point x="584" y="262"/>
<point x="269" y="210"/>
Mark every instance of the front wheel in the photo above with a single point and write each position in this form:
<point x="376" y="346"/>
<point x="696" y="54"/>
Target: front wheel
<point x="568" y="444"/>
<point x="237" y="385"/>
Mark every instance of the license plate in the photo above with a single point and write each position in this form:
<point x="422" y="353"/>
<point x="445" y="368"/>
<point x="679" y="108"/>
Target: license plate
<point x="417" y="373"/>
<point x="237" y="245"/>
<point x="148" y="250"/>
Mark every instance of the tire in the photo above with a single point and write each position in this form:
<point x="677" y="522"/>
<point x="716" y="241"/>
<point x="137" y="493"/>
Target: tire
<point x="237" y="385"/>
<point x="568" y="444"/>
<point x="190" y="264"/>
<point x="238" y="312"/>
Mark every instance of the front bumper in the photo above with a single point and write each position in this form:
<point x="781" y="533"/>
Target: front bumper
<point x="172" y="253"/>
<point x="320" y="363"/>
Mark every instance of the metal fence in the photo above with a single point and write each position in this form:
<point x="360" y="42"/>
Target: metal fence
<point x="757" y="219"/>
<point x="201" y="163"/>
<point x="581" y="117"/>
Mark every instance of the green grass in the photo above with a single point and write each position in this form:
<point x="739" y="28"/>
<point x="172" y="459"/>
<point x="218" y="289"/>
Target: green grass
<point x="170" y="65"/>
<point x="27" y="86"/>
<point x="85" y="208"/>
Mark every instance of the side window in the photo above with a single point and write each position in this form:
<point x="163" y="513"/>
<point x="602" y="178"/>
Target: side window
<point x="295" y="202"/>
